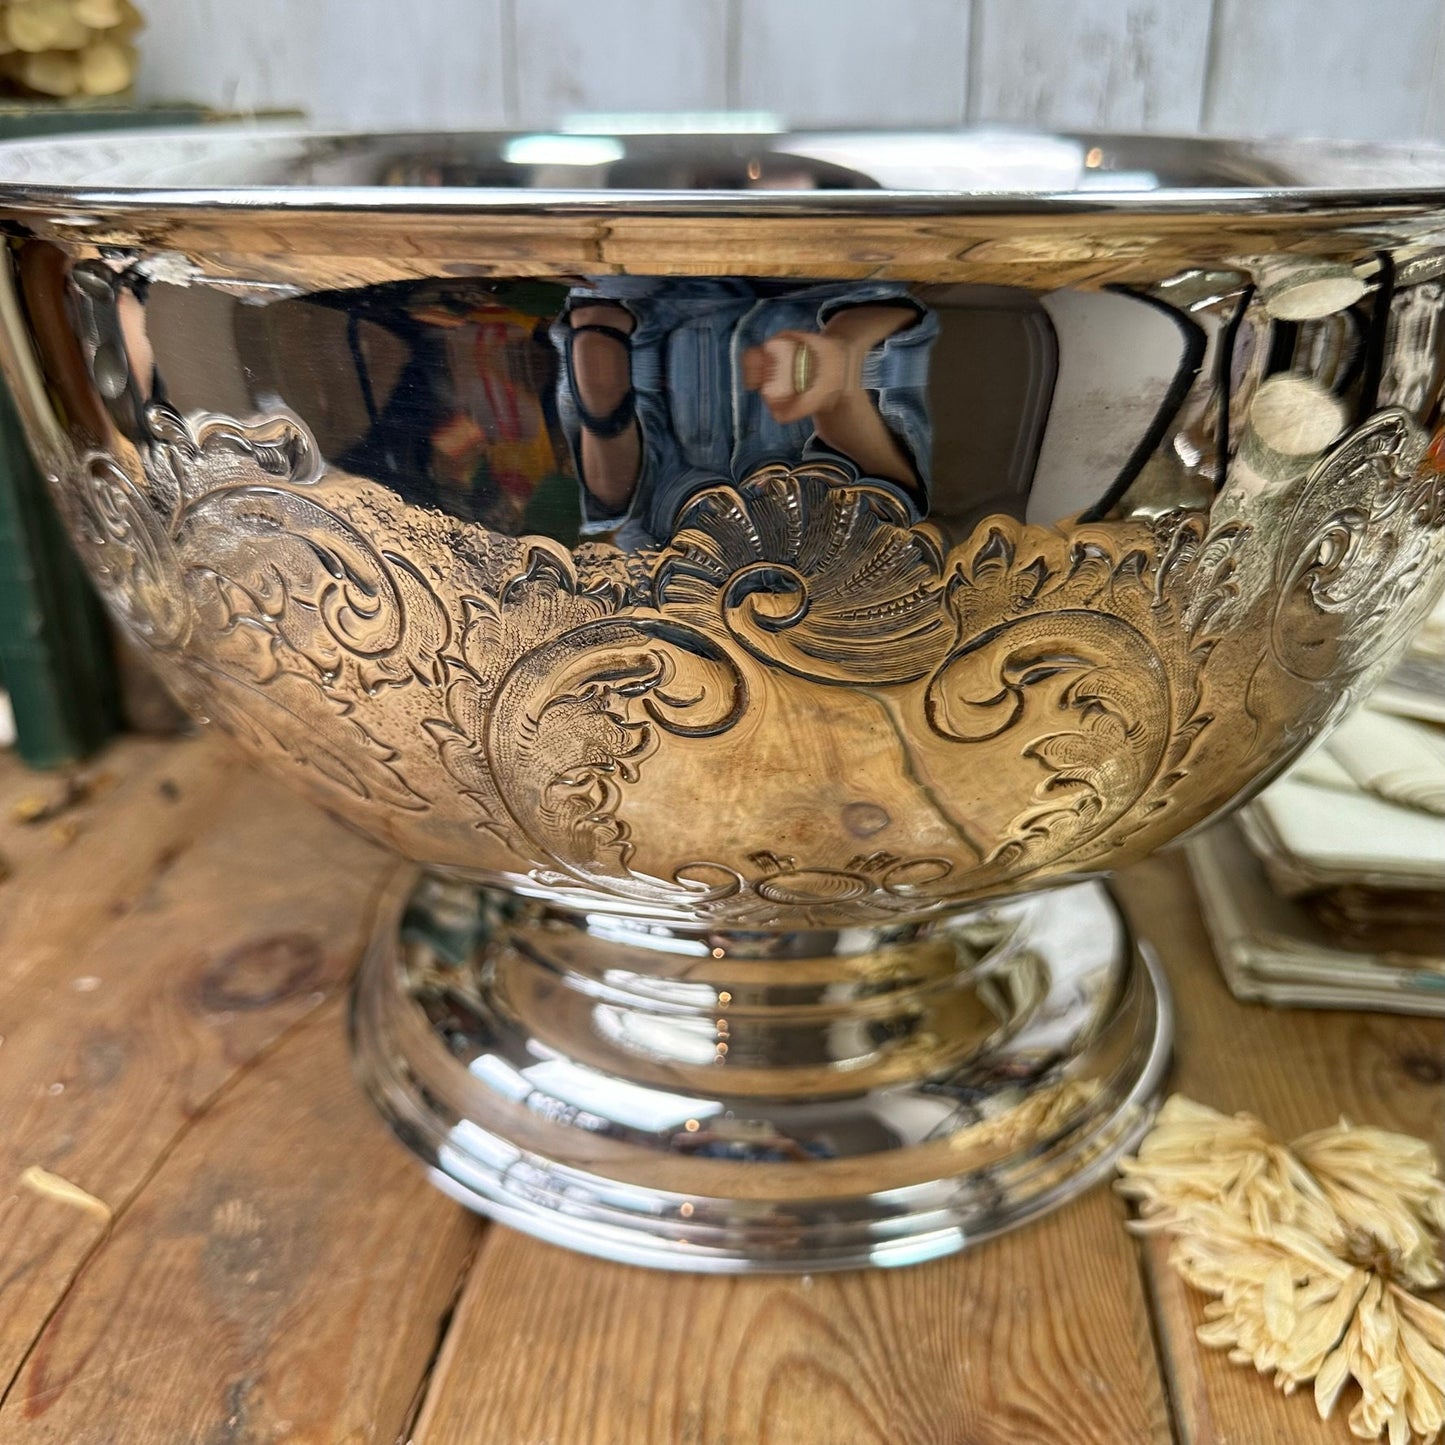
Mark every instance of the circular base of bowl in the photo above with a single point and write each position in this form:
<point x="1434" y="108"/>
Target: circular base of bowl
<point x="755" y="1102"/>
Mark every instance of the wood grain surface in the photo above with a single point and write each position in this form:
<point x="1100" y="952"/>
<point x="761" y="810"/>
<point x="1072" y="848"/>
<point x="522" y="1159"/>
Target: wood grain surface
<point x="1039" y="1336"/>
<point x="206" y="1239"/>
<point x="147" y="964"/>
<point x="283" y="1277"/>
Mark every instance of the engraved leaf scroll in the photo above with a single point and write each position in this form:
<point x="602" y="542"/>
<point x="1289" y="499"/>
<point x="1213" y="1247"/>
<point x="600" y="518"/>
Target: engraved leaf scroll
<point x="272" y="612"/>
<point x="1048" y="694"/>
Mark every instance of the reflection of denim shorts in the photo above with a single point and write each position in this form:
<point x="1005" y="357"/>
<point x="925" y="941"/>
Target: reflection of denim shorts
<point x="699" y="424"/>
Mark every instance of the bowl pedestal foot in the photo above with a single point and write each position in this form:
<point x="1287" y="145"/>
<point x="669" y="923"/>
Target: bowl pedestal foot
<point x="745" y="1102"/>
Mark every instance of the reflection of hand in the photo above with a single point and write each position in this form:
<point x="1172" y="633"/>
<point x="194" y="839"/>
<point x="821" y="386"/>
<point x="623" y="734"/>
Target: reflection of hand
<point x="820" y="375"/>
<point x="800" y="373"/>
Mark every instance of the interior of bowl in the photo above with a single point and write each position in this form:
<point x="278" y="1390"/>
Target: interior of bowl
<point x="747" y="168"/>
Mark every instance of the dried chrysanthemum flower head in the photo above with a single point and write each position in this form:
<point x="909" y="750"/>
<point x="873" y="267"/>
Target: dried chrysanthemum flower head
<point x="1194" y="1154"/>
<point x="1385" y="1188"/>
<point x="1395" y="1348"/>
<point x="1310" y="1252"/>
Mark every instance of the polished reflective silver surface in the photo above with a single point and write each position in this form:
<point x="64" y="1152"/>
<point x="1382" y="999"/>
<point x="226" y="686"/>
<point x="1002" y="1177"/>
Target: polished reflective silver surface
<point x="810" y="1101"/>
<point x="742" y="570"/>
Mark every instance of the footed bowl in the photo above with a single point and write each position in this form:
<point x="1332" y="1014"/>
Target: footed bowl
<point x="764" y="584"/>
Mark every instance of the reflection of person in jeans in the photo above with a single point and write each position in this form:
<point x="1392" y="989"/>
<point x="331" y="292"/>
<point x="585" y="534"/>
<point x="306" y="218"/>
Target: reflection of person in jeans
<point x="672" y="386"/>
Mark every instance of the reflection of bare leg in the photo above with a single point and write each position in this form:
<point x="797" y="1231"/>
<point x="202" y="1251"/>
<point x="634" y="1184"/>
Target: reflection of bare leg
<point x="602" y="375"/>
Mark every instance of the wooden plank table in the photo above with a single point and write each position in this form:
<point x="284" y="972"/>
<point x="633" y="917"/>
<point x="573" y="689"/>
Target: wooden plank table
<point x="206" y="1238"/>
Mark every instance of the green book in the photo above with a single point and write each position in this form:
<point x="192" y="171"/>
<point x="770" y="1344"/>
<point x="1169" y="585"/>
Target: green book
<point x="56" y="658"/>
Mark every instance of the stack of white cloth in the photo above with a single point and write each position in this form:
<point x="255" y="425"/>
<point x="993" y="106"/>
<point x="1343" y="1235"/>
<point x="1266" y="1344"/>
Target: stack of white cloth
<point x="1328" y="890"/>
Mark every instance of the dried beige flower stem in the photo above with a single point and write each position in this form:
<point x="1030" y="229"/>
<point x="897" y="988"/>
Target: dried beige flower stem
<point x="1311" y="1252"/>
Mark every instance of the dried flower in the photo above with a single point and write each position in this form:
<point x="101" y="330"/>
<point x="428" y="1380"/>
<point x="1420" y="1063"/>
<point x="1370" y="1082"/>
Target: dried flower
<point x="66" y="48"/>
<point x="1036" y="1116"/>
<point x="1387" y="1187"/>
<point x="1310" y="1252"/>
<point x="1195" y="1155"/>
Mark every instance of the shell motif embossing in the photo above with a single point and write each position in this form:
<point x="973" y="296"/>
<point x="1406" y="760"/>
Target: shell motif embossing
<point x="875" y="886"/>
<point x="811" y="573"/>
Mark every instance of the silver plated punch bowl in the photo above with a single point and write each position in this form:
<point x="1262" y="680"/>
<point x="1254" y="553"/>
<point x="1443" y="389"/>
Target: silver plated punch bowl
<point x="764" y="584"/>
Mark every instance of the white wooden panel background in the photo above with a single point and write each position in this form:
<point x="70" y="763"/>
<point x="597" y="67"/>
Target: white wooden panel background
<point x="1348" y="68"/>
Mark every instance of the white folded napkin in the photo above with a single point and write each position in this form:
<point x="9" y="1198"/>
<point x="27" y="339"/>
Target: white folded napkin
<point x="1320" y="830"/>
<point x="1396" y="759"/>
<point x="1416" y="687"/>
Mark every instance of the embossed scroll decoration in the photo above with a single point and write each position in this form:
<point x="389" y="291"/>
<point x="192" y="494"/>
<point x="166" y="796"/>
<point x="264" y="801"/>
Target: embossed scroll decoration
<point x="273" y="613"/>
<point x="593" y="724"/>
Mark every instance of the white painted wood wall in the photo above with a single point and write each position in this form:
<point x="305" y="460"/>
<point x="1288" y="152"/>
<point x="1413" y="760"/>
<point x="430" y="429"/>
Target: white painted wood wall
<point x="1368" y="69"/>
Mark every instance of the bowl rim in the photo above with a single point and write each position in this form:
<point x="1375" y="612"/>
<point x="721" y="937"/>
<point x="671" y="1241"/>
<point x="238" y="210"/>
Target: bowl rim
<point x="20" y="191"/>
